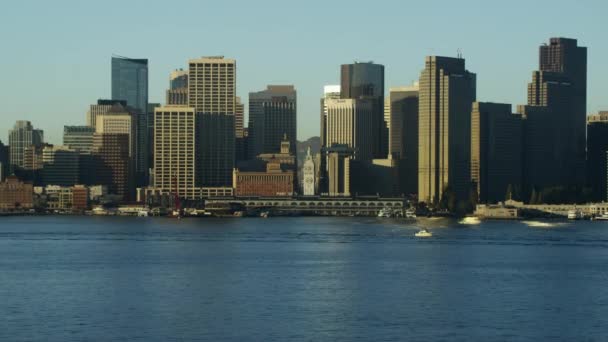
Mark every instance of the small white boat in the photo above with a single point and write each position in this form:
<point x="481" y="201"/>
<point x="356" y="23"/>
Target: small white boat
<point x="386" y="213"/>
<point x="264" y="214"/>
<point x="410" y="213"/>
<point x="470" y="220"/>
<point x="603" y="217"/>
<point x="423" y="234"/>
<point x="575" y="215"/>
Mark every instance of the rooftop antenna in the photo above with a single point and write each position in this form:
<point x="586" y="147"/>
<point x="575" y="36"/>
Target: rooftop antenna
<point x="459" y="53"/>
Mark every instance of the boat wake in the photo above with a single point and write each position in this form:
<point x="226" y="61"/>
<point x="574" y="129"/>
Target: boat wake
<point x="541" y="224"/>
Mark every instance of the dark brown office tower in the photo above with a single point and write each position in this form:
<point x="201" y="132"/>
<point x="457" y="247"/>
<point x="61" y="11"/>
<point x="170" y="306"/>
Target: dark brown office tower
<point x="402" y="115"/>
<point x="561" y="86"/>
<point x="366" y="80"/>
<point x="113" y="166"/>
<point x="496" y="151"/>
<point x="597" y="147"/>
<point x="447" y="92"/>
<point x="272" y="115"/>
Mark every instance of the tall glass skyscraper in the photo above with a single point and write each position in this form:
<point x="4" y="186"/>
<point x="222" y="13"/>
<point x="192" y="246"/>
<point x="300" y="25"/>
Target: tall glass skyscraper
<point x="130" y="83"/>
<point x="366" y="80"/>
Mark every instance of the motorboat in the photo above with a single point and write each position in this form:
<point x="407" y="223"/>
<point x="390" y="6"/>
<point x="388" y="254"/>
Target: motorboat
<point x="470" y="220"/>
<point x="410" y="213"/>
<point x="574" y="215"/>
<point x="423" y="234"/>
<point x="603" y="217"/>
<point x="386" y="213"/>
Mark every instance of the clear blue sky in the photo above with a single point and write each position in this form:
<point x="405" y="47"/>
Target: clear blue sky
<point x="55" y="55"/>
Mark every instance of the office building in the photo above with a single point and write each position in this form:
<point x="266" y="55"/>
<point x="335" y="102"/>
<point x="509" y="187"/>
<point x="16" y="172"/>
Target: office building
<point x="60" y="166"/>
<point x="329" y="92"/>
<point x="119" y="120"/>
<point x="447" y="91"/>
<point x="272" y="182"/>
<point x="130" y="83"/>
<point x="212" y="94"/>
<point x="101" y="107"/>
<point x="79" y="138"/>
<point x="113" y="163"/>
<point x="560" y="85"/>
<point x="402" y="121"/>
<point x="597" y="147"/>
<point x="177" y="94"/>
<point x="4" y="161"/>
<point x="366" y="80"/>
<point x="348" y="123"/>
<point x="496" y="151"/>
<point x="175" y="150"/>
<point x="339" y="159"/>
<point x="241" y="138"/>
<point x="16" y="195"/>
<point x="272" y="115"/>
<point x="22" y="136"/>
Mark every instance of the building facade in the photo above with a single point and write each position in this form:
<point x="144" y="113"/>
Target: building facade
<point x="271" y="183"/>
<point x="130" y="83"/>
<point x="113" y="164"/>
<point x="366" y="80"/>
<point x="496" y="151"/>
<point x="560" y="87"/>
<point x="402" y="119"/>
<point x="4" y="161"/>
<point x="339" y="157"/>
<point x="175" y="151"/>
<point x="597" y="148"/>
<point x="22" y="136"/>
<point x="348" y="123"/>
<point x="272" y="115"/>
<point x="177" y="94"/>
<point x="16" y="195"/>
<point x="447" y="91"/>
<point x="79" y="138"/>
<point x="60" y="166"/>
<point x="102" y="107"/>
<point x="212" y="94"/>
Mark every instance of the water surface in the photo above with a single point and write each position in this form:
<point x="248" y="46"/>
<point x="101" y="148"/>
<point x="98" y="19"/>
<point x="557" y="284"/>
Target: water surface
<point x="300" y="279"/>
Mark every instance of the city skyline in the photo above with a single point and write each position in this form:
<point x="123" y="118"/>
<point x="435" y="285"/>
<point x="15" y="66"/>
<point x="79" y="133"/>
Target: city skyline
<point x="503" y="60"/>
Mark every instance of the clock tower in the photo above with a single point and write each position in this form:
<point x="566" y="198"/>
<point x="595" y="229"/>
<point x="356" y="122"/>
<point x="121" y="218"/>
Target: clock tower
<point x="309" y="175"/>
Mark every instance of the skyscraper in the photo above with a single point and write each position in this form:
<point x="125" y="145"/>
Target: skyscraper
<point x="272" y="115"/>
<point x="113" y="165"/>
<point x="366" y="80"/>
<point x="402" y="119"/>
<point x="597" y="147"/>
<point x="22" y="136"/>
<point x="329" y="92"/>
<point x="212" y="94"/>
<point x="118" y="120"/>
<point x="447" y="91"/>
<point x="4" y="160"/>
<point x="496" y="151"/>
<point x="560" y="85"/>
<point x="175" y="150"/>
<point x="60" y="166"/>
<point x="348" y="123"/>
<point x="79" y="138"/>
<point x="177" y="94"/>
<point x="101" y="107"/>
<point x="130" y="83"/>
